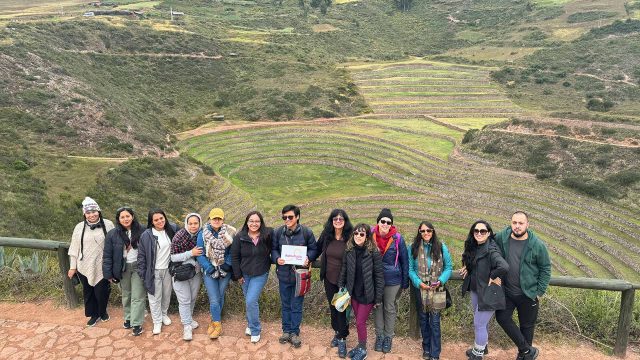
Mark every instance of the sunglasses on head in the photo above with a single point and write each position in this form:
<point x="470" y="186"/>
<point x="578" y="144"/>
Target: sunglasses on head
<point x="385" y="222"/>
<point x="428" y="231"/>
<point x="359" y="233"/>
<point x="481" y="231"/>
<point x="288" y="217"/>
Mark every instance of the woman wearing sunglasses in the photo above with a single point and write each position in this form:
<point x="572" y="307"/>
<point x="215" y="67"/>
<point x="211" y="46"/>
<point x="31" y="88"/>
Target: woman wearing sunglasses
<point x="396" y="277"/>
<point x="429" y="268"/>
<point x="333" y="241"/>
<point x="120" y="264"/>
<point x="485" y="266"/>
<point x="363" y="277"/>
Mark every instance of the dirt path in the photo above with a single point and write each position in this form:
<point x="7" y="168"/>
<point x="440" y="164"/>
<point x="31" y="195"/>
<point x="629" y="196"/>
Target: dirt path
<point x="45" y="331"/>
<point x="568" y="138"/>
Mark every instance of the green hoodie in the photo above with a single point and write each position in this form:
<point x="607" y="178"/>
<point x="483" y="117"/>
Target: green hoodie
<point x="535" y="266"/>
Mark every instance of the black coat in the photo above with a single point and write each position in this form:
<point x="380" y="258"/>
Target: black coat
<point x="147" y="257"/>
<point x="372" y="271"/>
<point x="112" y="256"/>
<point x="489" y="263"/>
<point x="249" y="259"/>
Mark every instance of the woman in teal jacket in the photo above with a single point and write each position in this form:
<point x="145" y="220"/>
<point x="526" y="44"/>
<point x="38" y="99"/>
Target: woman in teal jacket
<point x="429" y="268"/>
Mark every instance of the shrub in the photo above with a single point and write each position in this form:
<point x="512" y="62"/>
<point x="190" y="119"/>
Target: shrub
<point x="591" y="187"/>
<point x="599" y="105"/>
<point x="469" y="135"/>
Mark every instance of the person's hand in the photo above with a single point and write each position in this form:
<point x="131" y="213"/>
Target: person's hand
<point x="71" y="272"/>
<point x="196" y="251"/>
<point x="424" y="286"/>
<point x="306" y="262"/>
<point x="112" y="280"/>
<point x="463" y="272"/>
<point x="241" y="280"/>
<point x="496" y="281"/>
<point x="280" y="261"/>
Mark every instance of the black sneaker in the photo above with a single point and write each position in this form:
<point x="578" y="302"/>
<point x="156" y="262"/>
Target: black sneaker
<point x="386" y="345"/>
<point x="486" y="350"/>
<point x="285" y="338"/>
<point x="531" y="355"/>
<point x="93" y="321"/>
<point x="342" y="348"/>
<point x="137" y="330"/>
<point x="378" y="345"/>
<point x="334" y="341"/>
<point x="105" y="317"/>
<point x="295" y="341"/>
<point x="127" y="324"/>
<point x="426" y="355"/>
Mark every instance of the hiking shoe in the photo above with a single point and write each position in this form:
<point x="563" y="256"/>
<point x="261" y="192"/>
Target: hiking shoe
<point x="486" y="350"/>
<point x="378" y="345"/>
<point x="342" y="348"/>
<point x="474" y="357"/>
<point x="210" y="328"/>
<point x="93" y="321"/>
<point x="255" y="338"/>
<point x="217" y="330"/>
<point x="285" y="338"/>
<point x="105" y="317"/>
<point x="157" y="328"/>
<point x="360" y="354"/>
<point x="426" y="355"/>
<point x="187" y="334"/>
<point x="137" y="330"/>
<point x="334" y="341"/>
<point x="166" y="320"/>
<point x="531" y="355"/>
<point x="127" y="324"/>
<point x="386" y="345"/>
<point x="247" y="331"/>
<point x="194" y="324"/>
<point x="295" y="341"/>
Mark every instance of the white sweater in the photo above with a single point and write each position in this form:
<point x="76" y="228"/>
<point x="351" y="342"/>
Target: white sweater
<point x="91" y="263"/>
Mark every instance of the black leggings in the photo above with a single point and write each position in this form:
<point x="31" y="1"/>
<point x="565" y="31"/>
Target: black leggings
<point x="338" y="319"/>
<point x="521" y="336"/>
<point x="95" y="297"/>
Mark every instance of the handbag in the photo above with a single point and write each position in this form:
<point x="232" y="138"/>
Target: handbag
<point x="303" y="281"/>
<point x="341" y="300"/>
<point x="181" y="271"/>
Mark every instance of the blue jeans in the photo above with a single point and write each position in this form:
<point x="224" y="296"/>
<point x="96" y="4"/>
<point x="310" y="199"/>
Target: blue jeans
<point x="429" y="327"/>
<point x="215" y="290"/>
<point x="252" y="288"/>
<point x="291" y="308"/>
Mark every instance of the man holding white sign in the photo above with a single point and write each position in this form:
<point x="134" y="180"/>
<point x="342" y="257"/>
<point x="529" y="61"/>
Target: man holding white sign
<point x="293" y="245"/>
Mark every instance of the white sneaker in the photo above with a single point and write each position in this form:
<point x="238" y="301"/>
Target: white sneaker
<point x="188" y="333"/>
<point x="255" y="339"/>
<point x="194" y="324"/>
<point x="157" y="328"/>
<point x="166" y="320"/>
<point x="247" y="331"/>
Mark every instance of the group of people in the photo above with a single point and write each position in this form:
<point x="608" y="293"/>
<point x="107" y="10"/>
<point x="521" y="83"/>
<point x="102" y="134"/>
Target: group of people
<point x="504" y="272"/>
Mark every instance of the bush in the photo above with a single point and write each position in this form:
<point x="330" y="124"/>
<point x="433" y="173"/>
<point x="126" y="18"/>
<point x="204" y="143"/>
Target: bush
<point x="625" y="177"/>
<point x="591" y="187"/>
<point x="599" y="105"/>
<point x="469" y="135"/>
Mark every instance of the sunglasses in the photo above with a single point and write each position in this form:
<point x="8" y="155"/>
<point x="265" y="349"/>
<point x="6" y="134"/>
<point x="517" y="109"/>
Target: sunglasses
<point x="338" y="219"/>
<point x="288" y="217"/>
<point x="428" y="231"/>
<point x="481" y="231"/>
<point x="359" y="233"/>
<point x="385" y="222"/>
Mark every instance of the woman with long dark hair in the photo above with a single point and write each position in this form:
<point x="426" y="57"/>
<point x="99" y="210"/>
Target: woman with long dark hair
<point x="185" y="251"/>
<point x="333" y="241"/>
<point x="153" y="266"/>
<point x="251" y="262"/>
<point x="485" y="266"/>
<point x="363" y="276"/>
<point x="85" y="258"/>
<point x="120" y="264"/>
<point x="429" y="269"/>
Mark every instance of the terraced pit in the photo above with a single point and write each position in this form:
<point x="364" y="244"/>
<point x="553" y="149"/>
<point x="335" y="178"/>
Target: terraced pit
<point x="403" y="156"/>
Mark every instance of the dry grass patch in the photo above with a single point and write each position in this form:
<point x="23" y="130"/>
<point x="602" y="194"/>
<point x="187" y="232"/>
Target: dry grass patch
<point x="324" y="28"/>
<point x="485" y="53"/>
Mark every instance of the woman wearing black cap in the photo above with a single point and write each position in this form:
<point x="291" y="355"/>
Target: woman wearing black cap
<point x="396" y="277"/>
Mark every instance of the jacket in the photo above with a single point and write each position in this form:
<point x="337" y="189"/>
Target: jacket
<point x="86" y="255"/>
<point x="147" y="258"/>
<point x="447" y="265"/>
<point x="535" y="265"/>
<point x="396" y="273"/>
<point x="112" y="256"/>
<point x="372" y="271"/>
<point x="301" y="236"/>
<point x="489" y="263"/>
<point x="249" y="259"/>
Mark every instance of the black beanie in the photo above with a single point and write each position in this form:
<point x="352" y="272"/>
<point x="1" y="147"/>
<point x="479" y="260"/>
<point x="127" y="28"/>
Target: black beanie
<point x="385" y="213"/>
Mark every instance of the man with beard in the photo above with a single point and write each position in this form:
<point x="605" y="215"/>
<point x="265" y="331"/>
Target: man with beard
<point x="523" y="250"/>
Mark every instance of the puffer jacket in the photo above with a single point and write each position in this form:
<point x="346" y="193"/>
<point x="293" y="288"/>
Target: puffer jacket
<point x="372" y="271"/>
<point x="489" y="263"/>
<point x="301" y="236"/>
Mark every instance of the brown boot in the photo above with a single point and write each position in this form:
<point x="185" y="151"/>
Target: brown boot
<point x="210" y="328"/>
<point x="217" y="330"/>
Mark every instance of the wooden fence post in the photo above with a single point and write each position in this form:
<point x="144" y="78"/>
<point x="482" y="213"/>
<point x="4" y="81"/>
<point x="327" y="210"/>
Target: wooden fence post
<point x="624" y="323"/>
<point x="414" y="327"/>
<point x="69" y="290"/>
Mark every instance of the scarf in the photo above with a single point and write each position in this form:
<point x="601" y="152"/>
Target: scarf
<point x="384" y="242"/>
<point x="215" y="243"/>
<point x="182" y="242"/>
<point x="428" y="273"/>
